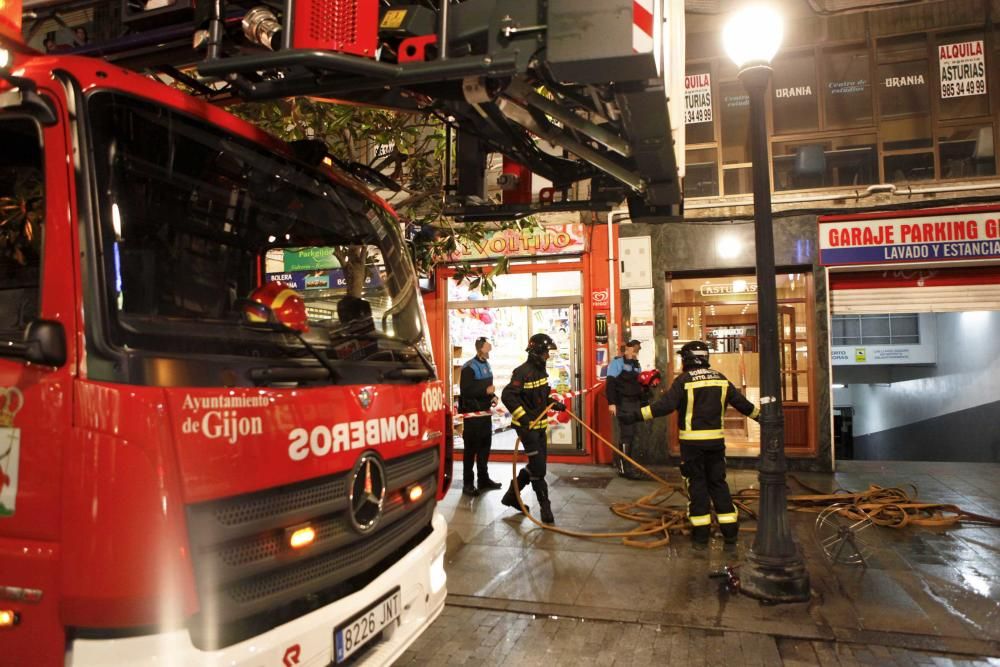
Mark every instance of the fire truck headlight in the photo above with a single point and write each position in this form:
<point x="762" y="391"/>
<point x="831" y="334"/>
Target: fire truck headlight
<point x="4" y="59"/>
<point x="438" y="576"/>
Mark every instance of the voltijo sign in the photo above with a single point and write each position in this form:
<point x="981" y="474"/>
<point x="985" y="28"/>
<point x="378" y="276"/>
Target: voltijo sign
<point x="549" y="240"/>
<point x="932" y="236"/>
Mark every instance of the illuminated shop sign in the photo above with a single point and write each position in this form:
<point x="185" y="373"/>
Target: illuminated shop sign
<point x="931" y="237"/>
<point x="734" y="287"/>
<point x="567" y="239"/>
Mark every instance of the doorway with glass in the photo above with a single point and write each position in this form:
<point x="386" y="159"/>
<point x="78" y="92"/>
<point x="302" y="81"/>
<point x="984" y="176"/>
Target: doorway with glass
<point x="508" y="323"/>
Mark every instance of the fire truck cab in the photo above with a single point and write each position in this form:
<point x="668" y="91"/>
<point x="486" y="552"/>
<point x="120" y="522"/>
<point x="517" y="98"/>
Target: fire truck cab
<point x="201" y="461"/>
<point x="186" y="476"/>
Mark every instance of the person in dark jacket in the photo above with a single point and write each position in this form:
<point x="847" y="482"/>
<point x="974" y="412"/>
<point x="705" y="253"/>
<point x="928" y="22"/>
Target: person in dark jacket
<point x="477" y="394"/>
<point x="526" y="396"/>
<point x="624" y="394"/>
<point x="699" y="395"/>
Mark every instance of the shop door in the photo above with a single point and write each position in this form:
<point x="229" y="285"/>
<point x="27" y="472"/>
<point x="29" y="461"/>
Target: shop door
<point x="508" y="327"/>
<point x="562" y="324"/>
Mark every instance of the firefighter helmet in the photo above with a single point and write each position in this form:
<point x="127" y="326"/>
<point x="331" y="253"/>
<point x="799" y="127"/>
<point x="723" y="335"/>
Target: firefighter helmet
<point x="694" y="354"/>
<point x="540" y="344"/>
<point x="650" y="379"/>
<point x="288" y="307"/>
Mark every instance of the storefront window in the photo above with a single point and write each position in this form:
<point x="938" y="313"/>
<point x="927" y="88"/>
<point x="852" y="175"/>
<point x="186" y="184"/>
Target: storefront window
<point x="909" y="167"/>
<point x="847" y="88"/>
<point x="734" y="110"/>
<point x="722" y="311"/>
<point x="966" y="152"/>
<point x="795" y="94"/>
<point x="904" y="89"/>
<point x="507" y="286"/>
<point x="738" y="181"/>
<point x="702" y="173"/>
<point x="835" y="162"/>
<point x="559" y="283"/>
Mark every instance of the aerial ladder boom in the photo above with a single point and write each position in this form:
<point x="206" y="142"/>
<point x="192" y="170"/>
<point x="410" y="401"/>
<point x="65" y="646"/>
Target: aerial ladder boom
<point x="572" y="90"/>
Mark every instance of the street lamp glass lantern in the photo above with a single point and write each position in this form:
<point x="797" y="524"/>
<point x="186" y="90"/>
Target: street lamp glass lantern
<point x="752" y="35"/>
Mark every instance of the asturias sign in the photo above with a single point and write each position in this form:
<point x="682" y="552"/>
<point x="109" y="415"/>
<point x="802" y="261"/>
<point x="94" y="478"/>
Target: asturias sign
<point x="930" y="237"/>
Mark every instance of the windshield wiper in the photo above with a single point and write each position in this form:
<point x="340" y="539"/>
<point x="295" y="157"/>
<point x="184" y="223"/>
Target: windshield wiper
<point x="412" y="373"/>
<point x="270" y="324"/>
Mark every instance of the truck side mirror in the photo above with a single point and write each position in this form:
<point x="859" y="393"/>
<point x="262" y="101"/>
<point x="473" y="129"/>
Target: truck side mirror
<point x="45" y="343"/>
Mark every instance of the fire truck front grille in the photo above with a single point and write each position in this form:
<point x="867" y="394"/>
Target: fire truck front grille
<point x="245" y="570"/>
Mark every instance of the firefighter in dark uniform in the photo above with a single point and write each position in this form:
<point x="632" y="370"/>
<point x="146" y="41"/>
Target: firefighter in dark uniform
<point x="477" y="395"/>
<point x="526" y="396"/>
<point x="624" y="394"/>
<point x="700" y="395"/>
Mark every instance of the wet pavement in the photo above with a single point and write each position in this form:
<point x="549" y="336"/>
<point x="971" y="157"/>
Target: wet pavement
<point x="928" y="594"/>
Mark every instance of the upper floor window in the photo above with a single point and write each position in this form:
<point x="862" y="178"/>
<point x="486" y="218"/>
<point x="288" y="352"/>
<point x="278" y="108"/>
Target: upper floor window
<point x="892" y="109"/>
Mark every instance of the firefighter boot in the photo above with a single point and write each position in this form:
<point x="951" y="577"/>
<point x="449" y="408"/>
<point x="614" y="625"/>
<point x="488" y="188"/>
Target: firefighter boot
<point x="541" y="488"/>
<point x="730" y="532"/>
<point x="627" y="469"/>
<point x="510" y="498"/>
<point x="699" y="537"/>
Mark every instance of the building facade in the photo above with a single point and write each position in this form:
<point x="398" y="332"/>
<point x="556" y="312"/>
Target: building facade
<point x="882" y="124"/>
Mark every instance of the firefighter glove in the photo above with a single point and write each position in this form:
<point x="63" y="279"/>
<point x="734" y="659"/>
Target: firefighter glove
<point x="559" y="406"/>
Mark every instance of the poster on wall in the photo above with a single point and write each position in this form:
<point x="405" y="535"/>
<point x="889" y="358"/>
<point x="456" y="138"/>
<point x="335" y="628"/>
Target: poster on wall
<point x="963" y="69"/>
<point x="697" y="98"/>
<point x="858" y="355"/>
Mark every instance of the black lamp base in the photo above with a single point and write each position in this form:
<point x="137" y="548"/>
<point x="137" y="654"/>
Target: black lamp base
<point x="775" y="580"/>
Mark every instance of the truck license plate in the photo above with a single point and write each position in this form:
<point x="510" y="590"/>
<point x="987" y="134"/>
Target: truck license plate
<point x="358" y="631"/>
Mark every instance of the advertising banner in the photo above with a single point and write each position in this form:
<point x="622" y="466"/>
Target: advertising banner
<point x="697" y="98"/>
<point x="963" y="69"/>
<point x="952" y="235"/>
<point x="310" y="280"/>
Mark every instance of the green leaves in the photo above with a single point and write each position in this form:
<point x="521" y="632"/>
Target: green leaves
<point x="416" y="159"/>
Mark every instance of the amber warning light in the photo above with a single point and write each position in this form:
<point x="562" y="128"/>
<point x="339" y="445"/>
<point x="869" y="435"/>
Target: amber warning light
<point x="415" y="493"/>
<point x="8" y="618"/>
<point x="10" y="19"/>
<point x="302" y="537"/>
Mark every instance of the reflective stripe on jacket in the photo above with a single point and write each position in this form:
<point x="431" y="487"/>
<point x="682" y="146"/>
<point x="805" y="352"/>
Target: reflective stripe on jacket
<point x="699" y="397"/>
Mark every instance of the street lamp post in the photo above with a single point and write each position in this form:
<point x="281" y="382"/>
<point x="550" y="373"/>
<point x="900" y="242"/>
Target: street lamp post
<point x="774" y="571"/>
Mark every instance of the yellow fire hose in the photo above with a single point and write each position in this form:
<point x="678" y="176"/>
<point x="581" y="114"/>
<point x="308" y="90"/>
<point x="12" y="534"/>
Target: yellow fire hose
<point x="891" y="507"/>
<point x="648" y="511"/>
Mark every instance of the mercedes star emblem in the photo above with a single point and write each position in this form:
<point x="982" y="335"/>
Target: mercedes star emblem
<point x="367" y="492"/>
<point x="365" y="397"/>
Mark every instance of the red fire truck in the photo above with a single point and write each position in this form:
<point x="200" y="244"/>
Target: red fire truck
<point x="222" y="437"/>
<point x="178" y="480"/>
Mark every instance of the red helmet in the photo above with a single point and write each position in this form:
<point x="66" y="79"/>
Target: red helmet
<point x="650" y="378"/>
<point x="288" y="307"/>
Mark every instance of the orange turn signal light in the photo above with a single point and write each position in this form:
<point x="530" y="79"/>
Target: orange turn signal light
<point x="302" y="537"/>
<point x="415" y="493"/>
<point x="9" y="618"/>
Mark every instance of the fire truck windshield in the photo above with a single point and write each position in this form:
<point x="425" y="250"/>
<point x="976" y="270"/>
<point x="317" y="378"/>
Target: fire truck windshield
<point x="193" y="220"/>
